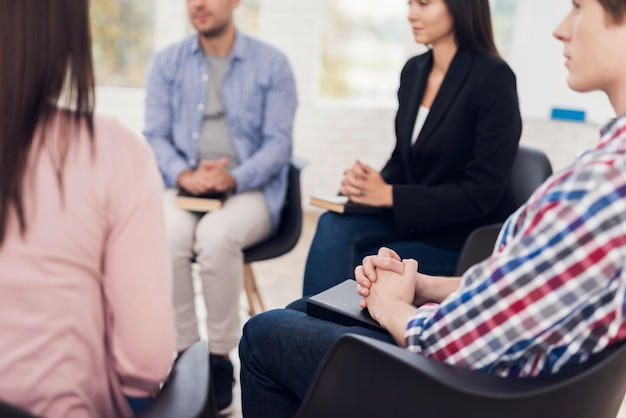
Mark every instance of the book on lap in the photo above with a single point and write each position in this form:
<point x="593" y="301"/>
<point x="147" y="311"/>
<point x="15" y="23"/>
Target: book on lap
<point x="340" y="304"/>
<point x="341" y="204"/>
<point x="199" y="203"/>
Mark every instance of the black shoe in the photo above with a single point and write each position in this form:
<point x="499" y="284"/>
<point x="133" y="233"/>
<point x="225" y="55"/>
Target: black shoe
<point x="223" y="380"/>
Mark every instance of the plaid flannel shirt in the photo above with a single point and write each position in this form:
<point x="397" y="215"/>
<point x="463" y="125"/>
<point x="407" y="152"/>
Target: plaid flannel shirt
<point x="552" y="293"/>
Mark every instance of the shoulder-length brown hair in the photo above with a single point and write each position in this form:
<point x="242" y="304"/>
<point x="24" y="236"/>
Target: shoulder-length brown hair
<point x="472" y="25"/>
<point x="45" y="53"/>
<point x="615" y="8"/>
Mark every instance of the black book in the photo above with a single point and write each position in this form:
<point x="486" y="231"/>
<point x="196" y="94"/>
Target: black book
<point x="340" y="304"/>
<point x="341" y="204"/>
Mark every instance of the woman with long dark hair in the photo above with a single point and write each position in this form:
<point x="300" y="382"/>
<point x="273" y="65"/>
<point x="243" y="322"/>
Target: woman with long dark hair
<point x="85" y="308"/>
<point x="457" y="131"/>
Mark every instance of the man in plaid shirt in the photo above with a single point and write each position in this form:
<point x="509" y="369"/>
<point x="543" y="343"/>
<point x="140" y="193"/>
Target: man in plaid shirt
<point x="551" y="295"/>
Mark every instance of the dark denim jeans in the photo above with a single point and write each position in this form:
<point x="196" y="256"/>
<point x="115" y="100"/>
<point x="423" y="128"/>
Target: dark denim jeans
<point x="138" y="404"/>
<point x="280" y="351"/>
<point x="341" y="242"/>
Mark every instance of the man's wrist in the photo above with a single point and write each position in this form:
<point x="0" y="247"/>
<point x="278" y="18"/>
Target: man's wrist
<point x="232" y="183"/>
<point x="183" y="177"/>
<point x="396" y="319"/>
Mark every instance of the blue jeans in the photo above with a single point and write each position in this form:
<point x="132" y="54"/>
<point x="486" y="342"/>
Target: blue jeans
<point x="138" y="404"/>
<point x="341" y="242"/>
<point x="280" y="351"/>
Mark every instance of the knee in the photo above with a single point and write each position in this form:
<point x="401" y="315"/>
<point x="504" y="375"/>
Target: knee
<point x="180" y="239"/>
<point x="330" y="227"/>
<point x="258" y="335"/>
<point x="270" y="329"/>
<point x="329" y="221"/>
<point x="212" y="236"/>
<point x="255" y="330"/>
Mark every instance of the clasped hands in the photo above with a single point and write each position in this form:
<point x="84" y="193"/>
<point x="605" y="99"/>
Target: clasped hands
<point x="387" y="284"/>
<point x="363" y="184"/>
<point x="392" y="289"/>
<point x="209" y="177"/>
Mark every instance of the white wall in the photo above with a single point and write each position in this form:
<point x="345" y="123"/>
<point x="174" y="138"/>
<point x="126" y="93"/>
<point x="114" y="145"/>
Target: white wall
<point x="537" y="59"/>
<point x="331" y="135"/>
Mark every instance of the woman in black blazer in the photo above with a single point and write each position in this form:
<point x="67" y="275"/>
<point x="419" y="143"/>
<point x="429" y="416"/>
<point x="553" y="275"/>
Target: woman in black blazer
<point x="457" y="127"/>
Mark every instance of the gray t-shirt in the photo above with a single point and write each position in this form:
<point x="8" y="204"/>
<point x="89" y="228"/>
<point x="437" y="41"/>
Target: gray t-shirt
<point x="215" y="138"/>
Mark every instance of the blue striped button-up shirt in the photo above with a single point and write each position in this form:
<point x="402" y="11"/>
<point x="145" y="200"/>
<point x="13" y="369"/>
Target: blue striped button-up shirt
<point x="260" y="101"/>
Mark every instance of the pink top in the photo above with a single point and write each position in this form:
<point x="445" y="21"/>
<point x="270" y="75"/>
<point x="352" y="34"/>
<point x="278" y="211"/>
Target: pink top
<point x="85" y="296"/>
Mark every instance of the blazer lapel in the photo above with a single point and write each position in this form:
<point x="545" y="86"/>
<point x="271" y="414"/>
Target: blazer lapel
<point x="452" y="82"/>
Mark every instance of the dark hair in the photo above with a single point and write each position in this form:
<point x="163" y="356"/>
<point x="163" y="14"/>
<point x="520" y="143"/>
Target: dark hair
<point x="472" y="25"/>
<point x="45" y="53"/>
<point x="615" y="8"/>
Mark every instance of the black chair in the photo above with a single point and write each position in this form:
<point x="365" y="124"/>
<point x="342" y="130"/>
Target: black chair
<point x="531" y="168"/>
<point x="478" y="246"/>
<point x="185" y="394"/>
<point x="362" y="377"/>
<point x="280" y="243"/>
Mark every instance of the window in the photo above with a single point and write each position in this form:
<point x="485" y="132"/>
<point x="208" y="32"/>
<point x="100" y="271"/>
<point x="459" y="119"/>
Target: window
<point x="122" y="32"/>
<point x="363" y="49"/>
<point x="504" y="24"/>
<point x="365" y="45"/>
<point x="247" y="16"/>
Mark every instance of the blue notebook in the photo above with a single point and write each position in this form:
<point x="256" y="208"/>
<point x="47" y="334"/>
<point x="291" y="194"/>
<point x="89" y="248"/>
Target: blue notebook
<point x="340" y="304"/>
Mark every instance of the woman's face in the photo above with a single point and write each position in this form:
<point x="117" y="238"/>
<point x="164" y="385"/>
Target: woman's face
<point x="593" y="46"/>
<point x="431" y="22"/>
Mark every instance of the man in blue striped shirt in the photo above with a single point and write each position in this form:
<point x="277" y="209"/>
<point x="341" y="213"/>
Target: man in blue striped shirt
<point x="219" y="116"/>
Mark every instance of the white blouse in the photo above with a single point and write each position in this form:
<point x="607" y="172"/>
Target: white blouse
<point x="422" y="114"/>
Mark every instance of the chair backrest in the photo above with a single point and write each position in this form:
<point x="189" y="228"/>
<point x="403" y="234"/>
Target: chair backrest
<point x="290" y="222"/>
<point x="477" y="247"/>
<point x="531" y="168"/>
<point x="9" y="411"/>
<point x="364" y="377"/>
<point x="185" y="394"/>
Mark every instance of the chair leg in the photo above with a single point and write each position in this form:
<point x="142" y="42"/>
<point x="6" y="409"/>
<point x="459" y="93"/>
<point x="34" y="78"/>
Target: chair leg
<point x="252" y="291"/>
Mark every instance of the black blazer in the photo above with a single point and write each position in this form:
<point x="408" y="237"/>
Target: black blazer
<point x="455" y="177"/>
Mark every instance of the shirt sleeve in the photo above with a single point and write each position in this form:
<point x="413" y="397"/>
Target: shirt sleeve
<point x="277" y="131"/>
<point x="159" y="118"/>
<point x="137" y="280"/>
<point x="547" y="296"/>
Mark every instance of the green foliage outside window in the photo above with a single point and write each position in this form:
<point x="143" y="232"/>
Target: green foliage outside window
<point x="122" y="33"/>
<point x="364" y="45"/>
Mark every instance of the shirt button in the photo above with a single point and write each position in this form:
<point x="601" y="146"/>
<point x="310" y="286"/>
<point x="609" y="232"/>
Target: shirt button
<point x="201" y="107"/>
<point x="205" y="77"/>
<point x="192" y="162"/>
<point x="195" y="135"/>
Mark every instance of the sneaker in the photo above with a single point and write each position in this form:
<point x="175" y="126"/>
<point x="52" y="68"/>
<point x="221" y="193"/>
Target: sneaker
<point x="223" y="380"/>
